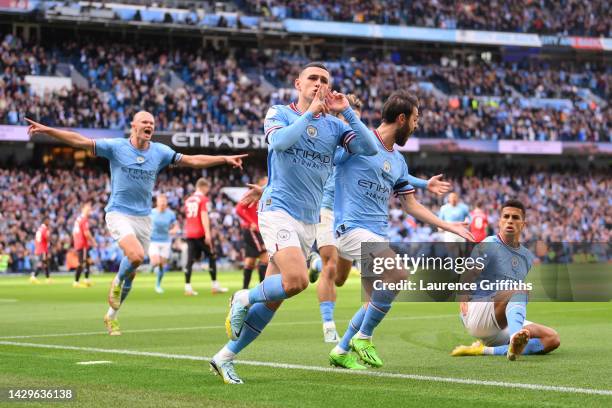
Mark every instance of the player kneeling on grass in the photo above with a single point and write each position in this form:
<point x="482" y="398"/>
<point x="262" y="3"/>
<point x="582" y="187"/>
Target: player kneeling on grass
<point x="497" y="319"/>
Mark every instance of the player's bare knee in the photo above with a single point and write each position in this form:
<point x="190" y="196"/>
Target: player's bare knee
<point x="554" y="341"/>
<point x="330" y="271"/>
<point x="136" y="257"/>
<point x="340" y="280"/>
<point x="296" y="285"/>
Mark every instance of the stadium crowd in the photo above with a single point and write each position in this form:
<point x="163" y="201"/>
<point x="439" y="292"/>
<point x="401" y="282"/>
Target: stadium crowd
<point x="27" y="195"/>
<point x="569" y="17"/>
<point x="221" y="91"/>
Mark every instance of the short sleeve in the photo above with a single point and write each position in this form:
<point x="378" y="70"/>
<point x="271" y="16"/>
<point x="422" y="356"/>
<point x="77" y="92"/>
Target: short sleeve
<point x="104" y="147"/>
<point x="402" y="184"/>
<point x="168" y="155"/>
<point x="275" y="120"/>
<point x="172" y="218"/>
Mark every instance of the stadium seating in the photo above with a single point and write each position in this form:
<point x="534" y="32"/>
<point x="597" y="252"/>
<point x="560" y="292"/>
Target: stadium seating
<point x="573" y="17"/>
<point x="221" y="91"/>
<point x="21" y="191"/>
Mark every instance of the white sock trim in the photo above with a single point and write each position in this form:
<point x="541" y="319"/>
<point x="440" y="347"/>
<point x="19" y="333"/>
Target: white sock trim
<point x="340" y="350"/>
<point x="225" y="354"/>
<point x="112" y="313"/>
<point x="360" y="335"/>
<point x="243" y="297"/>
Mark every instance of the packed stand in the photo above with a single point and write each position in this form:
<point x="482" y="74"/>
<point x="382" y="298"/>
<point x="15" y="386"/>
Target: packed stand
<point x="569" y="17"/>
<point x="25" y="195"/>
<point x="572" y="205"/>
<point x="220" y="91"/>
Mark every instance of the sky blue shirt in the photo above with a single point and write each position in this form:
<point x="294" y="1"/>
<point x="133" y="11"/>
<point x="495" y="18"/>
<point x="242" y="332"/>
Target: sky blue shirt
<point x="328" y="191"/>
<point x="300" y="157"/>
<point x="330" y="187"/>
<point x="457" y="213"/>
<point x="161" y="223"/>
<point x="364" y="185"/>
<point x="133" y="173"/>
<point x="501" y="262"/>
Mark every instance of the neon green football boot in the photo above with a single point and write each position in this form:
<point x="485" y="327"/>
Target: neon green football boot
<point x="366" y="351"/>
<point x="346" y="360"/>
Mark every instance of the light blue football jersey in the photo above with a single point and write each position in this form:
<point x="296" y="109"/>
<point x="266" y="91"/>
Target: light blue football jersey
<point x="161" y="223"/>
<point x="133" y="173"/>
<point x="328" y="191"/>
<point x="298" y="172"/>
<point x="457" y="213"/>
<point x="364" y="185"/>
<point x="501" y="262"/>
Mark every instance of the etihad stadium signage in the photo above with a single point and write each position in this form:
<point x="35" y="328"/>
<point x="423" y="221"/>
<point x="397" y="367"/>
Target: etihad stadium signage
<point x="249" y="141"/>
<point x="233" y="140"/>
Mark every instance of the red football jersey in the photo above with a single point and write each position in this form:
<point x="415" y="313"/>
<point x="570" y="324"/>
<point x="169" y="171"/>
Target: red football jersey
<point x="194" y="205"/>
<point x="478" y="226"/>
<point x="247" y="215"/>
<point x="41" y="240"/>
<point x="81" y="225"/>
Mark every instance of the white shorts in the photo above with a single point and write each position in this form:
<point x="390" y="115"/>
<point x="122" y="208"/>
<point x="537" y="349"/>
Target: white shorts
<point x="481" y="323"/>
<point x="161" y="249"/>
<point x="452" y="237"/>
<point x="280" y="230"/>
<point x="325" y="229"/>
<point x="349" y="244"/>
<point x="122" y="225"/>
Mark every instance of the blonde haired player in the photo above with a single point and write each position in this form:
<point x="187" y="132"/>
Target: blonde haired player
<point x="134" y="163"/>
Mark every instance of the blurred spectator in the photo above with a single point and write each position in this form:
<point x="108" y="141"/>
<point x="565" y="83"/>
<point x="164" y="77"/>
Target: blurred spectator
<point x="573" y="17"/>
<point x="546" y="195"/>
<point x="220" y="91"/>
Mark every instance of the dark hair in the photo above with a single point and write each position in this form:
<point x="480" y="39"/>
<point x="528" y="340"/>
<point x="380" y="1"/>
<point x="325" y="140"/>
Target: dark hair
<point x="514" y="204"/>
<point x="314" y="64"/>
<point x="399" y="102"/>
<point x="355" y="102"/>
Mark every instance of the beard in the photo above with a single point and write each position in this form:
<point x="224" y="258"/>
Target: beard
<point x="402" y="134"/>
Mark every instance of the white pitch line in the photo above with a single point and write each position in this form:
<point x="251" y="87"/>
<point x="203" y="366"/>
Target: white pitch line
<point x="416" y="377"/>
<point x="94" y="362"/>
<point x="169" y="329"/>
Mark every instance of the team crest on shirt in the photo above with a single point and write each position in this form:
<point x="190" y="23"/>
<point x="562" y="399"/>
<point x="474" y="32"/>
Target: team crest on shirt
<point x="140" y="159"/>
<point x="387" y="166"/>
<point x="312" y="131"/>
<point x="283" y="235"/>
<point x="515" y="261"/>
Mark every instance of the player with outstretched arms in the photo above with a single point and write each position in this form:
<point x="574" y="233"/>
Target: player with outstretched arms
<point x="335" y="270"/>
<point x="498" y="318"/>
<point x="302" y="138"/>
<point x="364" y="185"/>
<point x="134" y="164"/>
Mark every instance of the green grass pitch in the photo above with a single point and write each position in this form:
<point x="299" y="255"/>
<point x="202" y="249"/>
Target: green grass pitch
<point x="179" y="332"/>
